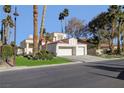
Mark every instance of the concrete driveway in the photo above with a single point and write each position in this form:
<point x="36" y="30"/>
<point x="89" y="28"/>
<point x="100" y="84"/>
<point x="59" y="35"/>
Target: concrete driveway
<point x="86" y="58"/>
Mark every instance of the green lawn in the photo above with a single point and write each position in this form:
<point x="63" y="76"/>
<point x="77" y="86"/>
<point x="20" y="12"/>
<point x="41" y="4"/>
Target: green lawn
<point x="22" y="61"/>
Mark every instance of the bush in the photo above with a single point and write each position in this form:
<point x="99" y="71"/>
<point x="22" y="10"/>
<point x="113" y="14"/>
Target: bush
<point x="49" y="56"/>
<point x="44" y="55"/>
<point x="7" y="52"/>
<point x="108" y="51"/>
<point x="28" y="56"/>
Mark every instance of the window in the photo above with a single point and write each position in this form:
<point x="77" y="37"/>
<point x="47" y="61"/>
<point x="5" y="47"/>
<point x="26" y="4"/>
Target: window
<point x="30" y="45"/>
<point x="60" y="37"/>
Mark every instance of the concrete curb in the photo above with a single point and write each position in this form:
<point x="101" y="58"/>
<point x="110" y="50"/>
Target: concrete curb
<point x="32" y="67"/>
<point x="102" y="60"/>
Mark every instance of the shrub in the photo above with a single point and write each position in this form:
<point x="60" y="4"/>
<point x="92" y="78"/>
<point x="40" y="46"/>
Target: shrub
<point x="53" y="54"/>
<point x="44" y="55"/>
<point x="108" y="51"/>
<point x="41" y="55"/>
<point x="49" y="56"/>
<point x="30" y="57"/>
<point x="7" y="52"/>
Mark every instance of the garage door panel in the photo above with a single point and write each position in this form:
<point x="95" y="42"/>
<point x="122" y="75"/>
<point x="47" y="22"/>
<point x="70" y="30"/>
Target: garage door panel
<point x="65" y="51"/>
<point x="80" y="51"/>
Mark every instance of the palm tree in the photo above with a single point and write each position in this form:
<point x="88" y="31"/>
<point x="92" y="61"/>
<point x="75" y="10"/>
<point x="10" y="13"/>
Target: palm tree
<point x="48" y="37"/>
<point x="7" y="22"/>
<point x="61" y="18"/>
<point x="118" y="38"/>
<point x="42" y="26"/>
<point x="2" y="30"/>
<point x="120" y="27"/>
<point x="97" y="27"/>
<point x="35" y="36"/>
<point x="7" y="8"/>
<point x="119" y="24"/>
<point x="122" y="37"/>
<point x="113" y="13"/>
<point x="66" y="14"/>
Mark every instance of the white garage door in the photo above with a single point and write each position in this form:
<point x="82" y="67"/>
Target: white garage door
<point x="65" y="51"/>
<point x="80" y="50"/>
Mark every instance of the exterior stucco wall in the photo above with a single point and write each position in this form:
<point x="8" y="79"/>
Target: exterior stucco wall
<point x="52" y="48"/>
<point x="81" y="49"/>
<point x="59" y="49"/>
<point x="25" y="45"/>
<point x="19" y="51"/>
<point x="73" y="47"/>
<point x="72" y="41"/>
<point x="58" y="36"/>
<point x="59" y="52"/>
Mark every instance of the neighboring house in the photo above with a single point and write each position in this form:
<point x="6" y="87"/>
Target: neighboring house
<point x="20" y="50"/>
<point x="68" y="47"/>
<point x="103" y="49"/>
<point x="27" y="45"/>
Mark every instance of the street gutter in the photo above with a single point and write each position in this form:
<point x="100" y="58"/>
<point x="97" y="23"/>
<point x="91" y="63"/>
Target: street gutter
<point x="5" y="69"/>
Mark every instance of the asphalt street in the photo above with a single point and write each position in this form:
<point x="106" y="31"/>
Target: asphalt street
<point x="107" y="74"/>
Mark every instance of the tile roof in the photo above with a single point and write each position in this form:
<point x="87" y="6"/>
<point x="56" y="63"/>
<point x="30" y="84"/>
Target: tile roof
<point x="66" y="41"/>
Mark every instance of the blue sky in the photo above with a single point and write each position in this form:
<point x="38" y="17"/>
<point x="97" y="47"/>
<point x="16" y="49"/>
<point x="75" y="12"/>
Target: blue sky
<point x="52" y="24"/>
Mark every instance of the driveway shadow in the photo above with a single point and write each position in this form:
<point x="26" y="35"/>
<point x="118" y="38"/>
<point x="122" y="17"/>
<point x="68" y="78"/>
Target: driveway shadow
<point x="111" y="64"/>
<point x="99" y="74"/>
<point x="121" y="75"/>
<point x="109" y="68"/>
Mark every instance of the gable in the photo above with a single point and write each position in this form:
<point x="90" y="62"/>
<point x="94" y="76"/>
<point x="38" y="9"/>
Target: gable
<point x="72" y="41"/>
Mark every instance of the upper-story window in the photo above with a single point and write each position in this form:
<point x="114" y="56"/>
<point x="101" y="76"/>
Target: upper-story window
<point x="30" y="45"/>
<point x="60" y="37"/>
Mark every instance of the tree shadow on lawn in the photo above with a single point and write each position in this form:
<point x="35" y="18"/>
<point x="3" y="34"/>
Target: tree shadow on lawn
<point x="108" y="68"/>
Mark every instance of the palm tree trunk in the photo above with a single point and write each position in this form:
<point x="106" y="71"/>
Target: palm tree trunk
<point x="35" y="36"/>
<point x="99" y="45"/>
<point x="123" y="41"/>
<point x="46" y="44"/>
<point x="3" y="39"/>
<point x="122" y="37"/>
<point x="118" y="47"/>
<point x="2" y="32"/>
<point x="42" y="26"/>
<point x="110" y="44"/>
<point x="113" y="31"/>
<point x="6" y="34"/>
<point x="9" y="37"/>
<point x="62" y="26"/>
<point x="65" y="25"/>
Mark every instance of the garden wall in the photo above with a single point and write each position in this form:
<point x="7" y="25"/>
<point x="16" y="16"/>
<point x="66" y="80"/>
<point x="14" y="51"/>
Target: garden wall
<point x="91" y="51"/>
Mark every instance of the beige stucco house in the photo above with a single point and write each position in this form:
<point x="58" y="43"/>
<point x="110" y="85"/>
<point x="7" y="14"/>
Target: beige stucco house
<point x="58" y="36"/>
<point x="68" y="47"/>
<point x="60" y="46"/>
<point x="27" y="45"/>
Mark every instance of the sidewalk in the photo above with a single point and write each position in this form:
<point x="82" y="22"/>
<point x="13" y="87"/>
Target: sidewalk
<point x="89" y="58"/>
<point x="3" y="69"/>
